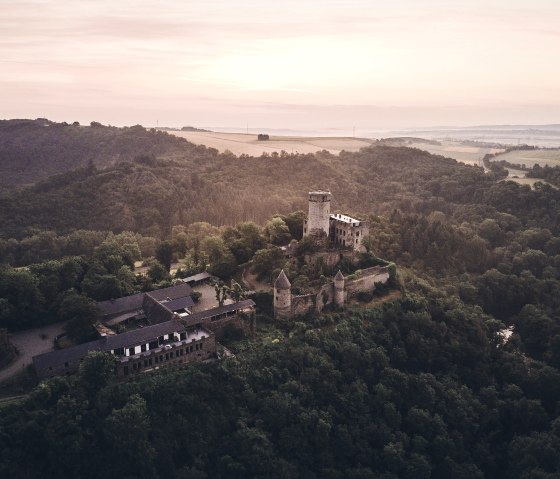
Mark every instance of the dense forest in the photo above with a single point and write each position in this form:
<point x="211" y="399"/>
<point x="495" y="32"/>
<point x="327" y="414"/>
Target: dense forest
<point x="459" y="376"/>
<point x="32" y="150"/>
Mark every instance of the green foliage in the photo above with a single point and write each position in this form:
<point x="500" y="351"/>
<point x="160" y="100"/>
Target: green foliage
<point x="425" y="386"/>
<point x="416" y="388"/>
<point x="164" y="254"/>
<point x="277" y="231"/>
<point x="266" y="261"/>
<point x="96" y="370"/>
<point x="80" y="312"/>
<point x="157" y="272"/>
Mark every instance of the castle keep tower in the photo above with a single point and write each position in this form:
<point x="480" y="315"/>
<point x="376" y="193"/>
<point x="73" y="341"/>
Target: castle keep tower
<point x="282" y="297"/>
<point x="319" y="213"/>
<point x="339" y="289"/>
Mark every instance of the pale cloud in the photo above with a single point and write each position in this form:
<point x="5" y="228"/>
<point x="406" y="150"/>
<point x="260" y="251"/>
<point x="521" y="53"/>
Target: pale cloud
<point x="127" y="61"/>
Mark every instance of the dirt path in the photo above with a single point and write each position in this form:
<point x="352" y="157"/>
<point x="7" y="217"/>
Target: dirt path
<point x="30" y="343"/>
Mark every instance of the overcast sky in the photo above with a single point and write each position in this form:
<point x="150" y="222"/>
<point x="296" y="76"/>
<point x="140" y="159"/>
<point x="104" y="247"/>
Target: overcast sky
<point x="281" y="64"/>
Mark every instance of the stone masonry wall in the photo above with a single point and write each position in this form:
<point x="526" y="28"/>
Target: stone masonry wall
<point x="366" y="281"/>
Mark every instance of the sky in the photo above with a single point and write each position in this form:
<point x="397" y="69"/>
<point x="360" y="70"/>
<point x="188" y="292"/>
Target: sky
<point x="281" y="64"/>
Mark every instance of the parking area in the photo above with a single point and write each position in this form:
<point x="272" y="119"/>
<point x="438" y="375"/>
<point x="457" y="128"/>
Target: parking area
<point x="207" y="300"/>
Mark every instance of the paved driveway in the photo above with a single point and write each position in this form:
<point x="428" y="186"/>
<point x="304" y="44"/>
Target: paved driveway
<point x="207" y="300"/>
<point x="30" y="343"/>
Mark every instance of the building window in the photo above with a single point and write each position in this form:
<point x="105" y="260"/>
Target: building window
<point x="357" y="233"/>
<point x="66" y="364"/>
<point x="131" y="351"/>
<point x="126" y="370"/>
<point x="142" y="348"/>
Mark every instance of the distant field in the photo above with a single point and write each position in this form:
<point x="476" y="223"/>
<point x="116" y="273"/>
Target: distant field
<point x="239" y="143"/>
<point x="532" y="157"/>
<point x="468" y="154"/>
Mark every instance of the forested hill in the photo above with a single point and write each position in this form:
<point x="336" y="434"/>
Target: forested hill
<point x="150" y="195"/>
<point x="32" y="150"/>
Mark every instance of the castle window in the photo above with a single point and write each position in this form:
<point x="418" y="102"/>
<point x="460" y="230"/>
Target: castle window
<point x="357" y="233"/>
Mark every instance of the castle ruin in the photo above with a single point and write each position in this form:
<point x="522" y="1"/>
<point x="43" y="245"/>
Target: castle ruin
<point x="342" y="230"/>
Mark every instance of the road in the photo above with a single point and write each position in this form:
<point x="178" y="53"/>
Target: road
<point x="30" y="343"/>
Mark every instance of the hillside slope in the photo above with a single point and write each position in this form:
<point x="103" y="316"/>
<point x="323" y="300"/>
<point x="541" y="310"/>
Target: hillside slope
<point x="32" y="150"/>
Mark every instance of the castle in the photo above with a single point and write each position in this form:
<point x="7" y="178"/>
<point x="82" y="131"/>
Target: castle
<point x="342" y="230"/>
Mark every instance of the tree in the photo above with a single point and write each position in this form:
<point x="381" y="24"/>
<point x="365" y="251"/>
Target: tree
<point x="221" y="293"/>
<point x="96" y="370"/>
<point x="164" y="254"/>
<point x="277" y="231"/>
<point x="156" y="271"/>
<point x="80" y="312"/>
<point x="22" y="304"/>
<point x="127" y="432"/>
<point x="266" y="261"/>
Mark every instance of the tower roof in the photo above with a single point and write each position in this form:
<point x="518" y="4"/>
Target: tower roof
<point x="339" y="276"/>
<point x="282" y="282"/>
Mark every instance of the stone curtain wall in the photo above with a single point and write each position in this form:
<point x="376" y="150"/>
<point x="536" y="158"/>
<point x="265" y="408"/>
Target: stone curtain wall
<point x="301" y="305"/>
<point x="325" y="296"/>
<point x="365" y="282"/>
<point x="246" y="322"/>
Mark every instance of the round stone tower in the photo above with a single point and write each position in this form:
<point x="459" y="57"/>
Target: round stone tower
<point x="339" y="289"/>
<point x="319" y="213"/>
<point x="282" y="297"/>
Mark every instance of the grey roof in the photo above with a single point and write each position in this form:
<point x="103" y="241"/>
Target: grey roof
<point x="54" y="358"/>
<point x="173" y="292"/>
<point x="121" y="305"/>
<point x="136" y="337"/>
<point x="143" y="335"/>
<point x="282" y="282"/>
<point x="124" y="317"/>
<point x="227" y="308"/>
<point x="156" y="312"/>
<point x="197" y="277"/>
<point x="108" y="343"/>
<point x="339" y="276"/>
<point x="117" y="307"/>
<point x="179" y="303"/>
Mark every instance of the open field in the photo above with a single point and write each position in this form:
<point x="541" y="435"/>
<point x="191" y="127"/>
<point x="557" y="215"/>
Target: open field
<point x="519" y="176"/>
<point x="471" y="155"/>
<point x="532" y="157"/>
<point x="239" y="143"/>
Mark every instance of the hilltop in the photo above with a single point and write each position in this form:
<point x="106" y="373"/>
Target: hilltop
<point x="32" y="150"/>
